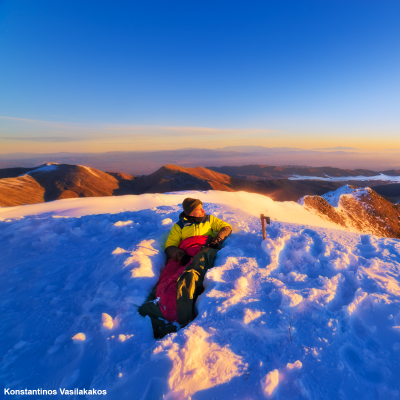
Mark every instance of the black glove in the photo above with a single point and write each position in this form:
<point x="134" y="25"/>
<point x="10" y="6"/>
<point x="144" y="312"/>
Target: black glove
<point x="216" y="243"/>
<point x="185" y="259"/>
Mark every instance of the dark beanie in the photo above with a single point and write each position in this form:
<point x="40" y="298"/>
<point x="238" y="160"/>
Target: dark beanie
<point x="189" y="205"/>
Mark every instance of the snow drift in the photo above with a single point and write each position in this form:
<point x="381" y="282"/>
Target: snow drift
<point x="311" y="312"/>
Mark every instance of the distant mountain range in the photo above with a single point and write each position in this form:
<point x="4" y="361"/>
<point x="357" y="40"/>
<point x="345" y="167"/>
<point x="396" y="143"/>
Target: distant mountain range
<point x="255" y="172"/>
<point x="337" y="148"/>
<point x="363" y="208"/>
<point x="53" y="181"/>
<point x="144" y="163"/>
<point x="190" y="150"/>
<point x="59" y="181"/>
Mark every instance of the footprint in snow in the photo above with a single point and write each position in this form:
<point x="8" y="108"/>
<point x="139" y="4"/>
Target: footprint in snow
<point x="366" y="369"/>
<point x="368" y="247"/>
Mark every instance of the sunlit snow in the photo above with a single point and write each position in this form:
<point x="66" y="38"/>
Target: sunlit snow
<point x="44" y="168"/>
<point x="333" y="198"/>
<point x="312" y="312"/>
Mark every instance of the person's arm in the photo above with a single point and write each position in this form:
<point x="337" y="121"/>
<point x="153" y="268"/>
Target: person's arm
<point x="172" y="243"/>
<point x="223" y="230"/>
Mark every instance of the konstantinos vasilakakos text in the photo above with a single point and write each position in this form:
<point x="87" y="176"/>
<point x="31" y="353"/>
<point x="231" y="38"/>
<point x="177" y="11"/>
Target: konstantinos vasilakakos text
<point x="41" y="392"/>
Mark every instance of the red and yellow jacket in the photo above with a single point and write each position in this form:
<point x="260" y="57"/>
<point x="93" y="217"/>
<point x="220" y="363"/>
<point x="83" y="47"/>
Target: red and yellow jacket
<point x="185" y="228"/>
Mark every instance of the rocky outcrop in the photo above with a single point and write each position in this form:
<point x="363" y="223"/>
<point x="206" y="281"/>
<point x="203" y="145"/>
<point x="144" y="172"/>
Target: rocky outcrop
<point x="320" y="205"/>
<point x="363" y="210"/>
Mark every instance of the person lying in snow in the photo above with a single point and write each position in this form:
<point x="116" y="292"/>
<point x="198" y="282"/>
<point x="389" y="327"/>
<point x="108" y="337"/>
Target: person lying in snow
<point x="191" y="247"/>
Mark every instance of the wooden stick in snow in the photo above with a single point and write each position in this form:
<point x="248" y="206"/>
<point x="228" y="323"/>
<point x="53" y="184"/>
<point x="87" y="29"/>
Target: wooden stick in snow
<point x="263" y="219"/>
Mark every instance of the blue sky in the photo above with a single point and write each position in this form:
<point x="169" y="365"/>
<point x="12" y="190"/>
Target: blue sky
<point x="98" y="75"/>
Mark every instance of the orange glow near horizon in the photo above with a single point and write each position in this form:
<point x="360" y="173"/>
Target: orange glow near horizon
<point x="160" y="144"/>
<point x="34" y="136"/>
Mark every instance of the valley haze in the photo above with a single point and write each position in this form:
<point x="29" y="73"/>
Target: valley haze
<point x="146" y="162"/>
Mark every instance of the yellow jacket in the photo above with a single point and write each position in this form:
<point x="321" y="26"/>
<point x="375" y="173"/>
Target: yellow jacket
<point x="185" y="228"/>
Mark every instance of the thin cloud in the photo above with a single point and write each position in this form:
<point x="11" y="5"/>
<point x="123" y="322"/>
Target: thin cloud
<point x="215" y="131"/>
<point x="185" y="130"/>
<point x="21" y="119"/>
<point x="46" y="123"/>
<point x="337" y="148"/>
<point x="48" y="139"/>
<point x="135" y="131"/>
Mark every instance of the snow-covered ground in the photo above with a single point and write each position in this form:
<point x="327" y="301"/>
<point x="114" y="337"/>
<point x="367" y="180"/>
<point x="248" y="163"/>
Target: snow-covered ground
<point x="43" y="168"/>
<point x="380" y="177"/>
<point x="333" y="198"/>
<point x="312" y="312"/>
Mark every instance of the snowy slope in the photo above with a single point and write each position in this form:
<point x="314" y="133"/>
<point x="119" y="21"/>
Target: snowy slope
<point x="254" y="204"/>
<point x="333" y="198"/>
<point x="74" y="272"/>
<point x="43" y="169"/>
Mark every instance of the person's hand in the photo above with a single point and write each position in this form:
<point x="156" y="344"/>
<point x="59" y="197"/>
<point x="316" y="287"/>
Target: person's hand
<point x="216" y="243"/>
<point x="185" y="259"/>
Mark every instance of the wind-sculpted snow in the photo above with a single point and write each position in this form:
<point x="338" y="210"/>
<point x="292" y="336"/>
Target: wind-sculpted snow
<point x="308" y="313"/>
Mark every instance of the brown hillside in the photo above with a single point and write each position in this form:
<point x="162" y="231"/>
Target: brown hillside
<point x="171" y="178"/>
<point x="19" y="191"/>
<point x="60" y="181"/>
<point x="390" y="192"/>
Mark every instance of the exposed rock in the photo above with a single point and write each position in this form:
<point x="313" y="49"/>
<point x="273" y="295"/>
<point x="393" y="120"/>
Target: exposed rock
<point x="323" y="207"/>
<point x="360" y="209"/>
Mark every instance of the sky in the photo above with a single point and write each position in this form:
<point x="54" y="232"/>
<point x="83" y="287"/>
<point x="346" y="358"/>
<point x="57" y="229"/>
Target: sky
<point x="99" y="76"/>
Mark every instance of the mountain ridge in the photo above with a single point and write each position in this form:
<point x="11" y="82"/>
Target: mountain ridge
<point x="53" y="181"/>
<point x="362" y="209"/>
<point x="359" y="208"/>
